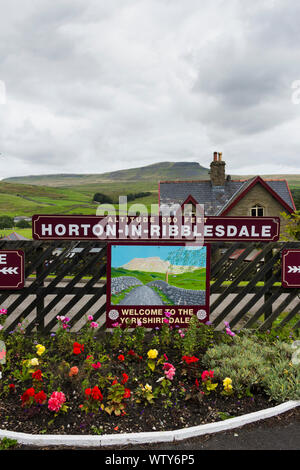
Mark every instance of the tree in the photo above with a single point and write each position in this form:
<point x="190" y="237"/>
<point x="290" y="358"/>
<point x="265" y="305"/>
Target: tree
<point x="6" y="222"/>
<point x="187" y="258"/>
<point x="23" y="224"/>
<point x="292" y="228"/>
<point x="102" y="198"/>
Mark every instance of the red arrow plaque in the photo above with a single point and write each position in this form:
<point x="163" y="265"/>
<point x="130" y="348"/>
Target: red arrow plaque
<point x="291" y="268"/>
<point x="11" y="269"/>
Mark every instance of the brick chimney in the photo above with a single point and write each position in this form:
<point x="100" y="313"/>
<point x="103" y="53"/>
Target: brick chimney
<point x="217" y="170"/>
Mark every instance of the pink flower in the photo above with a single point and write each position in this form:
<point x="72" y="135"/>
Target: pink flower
<point x="166" y="320"/>
<point x="90" y="318"/>
<point x="3" y="311"/>
<point x="114" y="325"/>
<point x="229" y="332"/>
<point x="94" y="324"/>
<point x="169" y="370"/>
<point x="97" y="365"/>
<point x="56" y="401"/>
<point x="168" y="314"/>
<point x="139" y="323"/>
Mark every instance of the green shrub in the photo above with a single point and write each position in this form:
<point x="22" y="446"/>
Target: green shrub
<point x="250" y="363"/>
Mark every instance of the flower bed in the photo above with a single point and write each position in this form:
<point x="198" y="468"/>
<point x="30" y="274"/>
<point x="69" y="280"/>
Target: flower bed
<point x="135" y="380"/>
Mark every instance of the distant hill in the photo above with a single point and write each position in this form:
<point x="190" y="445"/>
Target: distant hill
<point x="154" y="173"/>
<point x="154" y="264"/>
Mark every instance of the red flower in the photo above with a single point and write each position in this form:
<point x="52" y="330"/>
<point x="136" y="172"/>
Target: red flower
<point x="206" y="374"/>
<point x="40" y="397"/>
<point x="27" y="395"/>
<point x="125" y="378"/>
<point x="197" y="383"/>
<point x="96" y="394"/>
<point x="78" y="348"/>
<point x="121" y="357"/>
<point x="11" y="386"/>
<point x="37" y="375"/>
<point x="131" y="352"/>
<point x="127" y="393"/>
<point x="115" y="382"/>
<point x="87" y="392"/>
<point x="190" y="359"/>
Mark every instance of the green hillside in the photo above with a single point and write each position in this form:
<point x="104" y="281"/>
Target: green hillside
<point x="151" y="173"/>
<point x="73" y="194"/>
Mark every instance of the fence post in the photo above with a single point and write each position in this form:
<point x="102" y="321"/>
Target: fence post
<point x="268" y="294"/>
<point x="40" y="297"/>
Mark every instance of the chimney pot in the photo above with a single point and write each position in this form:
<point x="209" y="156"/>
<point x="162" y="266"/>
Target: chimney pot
<point x="215" y="156"/>
<point x="220" y="156"/>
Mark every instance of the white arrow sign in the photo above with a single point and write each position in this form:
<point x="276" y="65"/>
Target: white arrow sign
<point x="294" y="269"/>
<point x="9" y="270"/>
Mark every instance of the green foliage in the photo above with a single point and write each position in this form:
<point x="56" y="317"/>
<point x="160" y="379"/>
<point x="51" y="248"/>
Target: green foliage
<point x="197" y="336"/>
<point x="102" y="198"/>
<point x="23" y="224"/>
<point x="144" y="394"/>
<point x="6" y="443"/>
<point x="296" y="196"/>
<point x="252" y="363"/>
<point x="133" y="196"/>
<point x="292" y="228"/>
<point x="6" y="222"/>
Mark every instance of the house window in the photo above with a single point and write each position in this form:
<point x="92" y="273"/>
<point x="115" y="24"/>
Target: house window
<point x="257" y="211"/>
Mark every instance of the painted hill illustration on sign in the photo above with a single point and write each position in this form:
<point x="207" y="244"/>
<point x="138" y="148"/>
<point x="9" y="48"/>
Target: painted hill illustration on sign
<point x="155" y="264"/>
<point x="158" y="275"/>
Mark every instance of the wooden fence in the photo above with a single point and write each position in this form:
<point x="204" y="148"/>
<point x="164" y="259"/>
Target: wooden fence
<point x="69" y="278"/>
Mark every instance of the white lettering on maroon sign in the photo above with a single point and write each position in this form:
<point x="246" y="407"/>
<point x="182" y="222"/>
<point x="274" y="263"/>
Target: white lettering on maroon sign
<point x="11" y="269"/>
<point x="54" y="227"/>
<point x="291" y="268"/>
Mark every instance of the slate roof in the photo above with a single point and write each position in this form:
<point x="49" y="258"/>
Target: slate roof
<point x="215" y="198"/>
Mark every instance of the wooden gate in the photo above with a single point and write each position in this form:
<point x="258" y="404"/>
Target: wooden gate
<point x="69" y="278"/>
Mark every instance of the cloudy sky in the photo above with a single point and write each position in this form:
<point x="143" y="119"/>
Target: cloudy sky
<point x="88" y="86"/>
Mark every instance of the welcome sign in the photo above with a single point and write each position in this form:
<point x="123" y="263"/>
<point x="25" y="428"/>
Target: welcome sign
<point x="146" y="280"/>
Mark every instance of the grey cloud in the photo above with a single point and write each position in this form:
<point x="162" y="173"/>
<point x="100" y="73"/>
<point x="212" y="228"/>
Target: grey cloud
<point x="94" y="85"/>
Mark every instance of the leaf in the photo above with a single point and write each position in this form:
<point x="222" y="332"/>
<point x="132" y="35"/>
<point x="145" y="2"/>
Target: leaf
<point x="151" y="365"/>
<point x="108" y="409"/>
<point x="224" y="415"/>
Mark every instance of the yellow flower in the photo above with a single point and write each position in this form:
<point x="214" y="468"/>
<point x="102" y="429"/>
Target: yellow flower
<point x="152" y="353"/>
<point x="34" y="362"/>
<point x="227" y="383"/>
<point x="40" y="349"/>
<point x="148" y="387"/>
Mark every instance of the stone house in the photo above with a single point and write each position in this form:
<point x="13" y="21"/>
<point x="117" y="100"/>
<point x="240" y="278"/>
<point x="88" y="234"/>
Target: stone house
<point x="224" y="196"/>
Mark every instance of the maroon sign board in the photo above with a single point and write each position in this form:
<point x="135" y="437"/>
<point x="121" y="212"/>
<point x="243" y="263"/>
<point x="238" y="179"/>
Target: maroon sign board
<point x="158" y="266"/>
<point x="291" y="268"/>
<point x="57" y="227"/>
<point x="11" y="269"/>
<point x="146" y="281"/>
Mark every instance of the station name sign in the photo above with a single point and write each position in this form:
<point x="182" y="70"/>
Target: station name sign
<point x="183" y="228"/>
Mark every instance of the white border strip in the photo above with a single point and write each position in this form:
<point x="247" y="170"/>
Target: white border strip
<point x="146" y="437"/>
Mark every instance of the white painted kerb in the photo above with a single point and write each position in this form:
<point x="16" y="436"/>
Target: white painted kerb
<point x="145" y="437"/>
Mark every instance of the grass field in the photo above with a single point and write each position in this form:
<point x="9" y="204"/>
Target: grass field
<point x="26" y="200"/>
